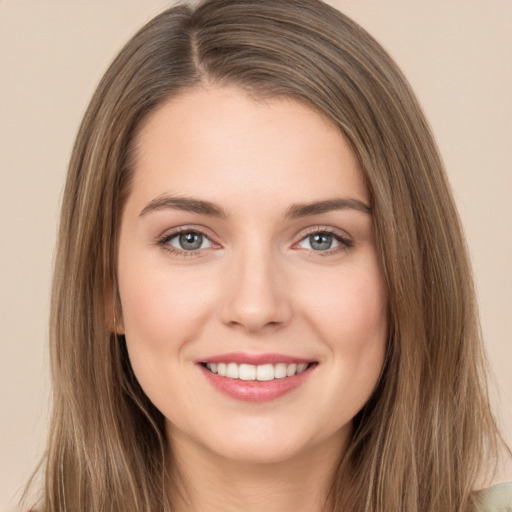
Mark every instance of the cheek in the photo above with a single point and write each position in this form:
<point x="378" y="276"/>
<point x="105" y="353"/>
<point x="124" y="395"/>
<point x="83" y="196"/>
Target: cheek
<point x="352" y="319"/>
<point x="351" y="316"/>
<point x="162" y="310"/>
<point x="352" y="311"/>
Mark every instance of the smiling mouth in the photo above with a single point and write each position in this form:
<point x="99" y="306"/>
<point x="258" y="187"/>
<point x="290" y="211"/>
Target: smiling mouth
<point x="262" y="373"/>
<point x="256" y="378"/>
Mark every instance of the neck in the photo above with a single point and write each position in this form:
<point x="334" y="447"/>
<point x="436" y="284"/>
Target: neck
<point x="211" y="483"/>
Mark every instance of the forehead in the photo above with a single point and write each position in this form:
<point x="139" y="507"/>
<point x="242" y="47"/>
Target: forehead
<point x="221" y="143"/>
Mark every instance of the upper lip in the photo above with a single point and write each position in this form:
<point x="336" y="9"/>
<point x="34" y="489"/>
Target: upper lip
<point x="254" y="359"/>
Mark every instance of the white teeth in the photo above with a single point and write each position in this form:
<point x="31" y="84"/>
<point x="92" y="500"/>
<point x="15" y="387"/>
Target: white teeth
<point x="247" y="372"/>
<point x="291" y="369"/>
<point x="301" y="367"/>
<point x="280" y="371"/>
<point x="263" y="372"/>
<point x="221" y="369"/>
<point x="232" y="371"/>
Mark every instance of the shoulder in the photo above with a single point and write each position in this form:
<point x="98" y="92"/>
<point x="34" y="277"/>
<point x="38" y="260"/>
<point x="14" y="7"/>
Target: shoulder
<point x="497" y="498"/>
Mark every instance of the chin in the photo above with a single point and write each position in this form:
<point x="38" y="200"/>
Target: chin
<point x="257" y="452"/>
<point x="263" y="441"/>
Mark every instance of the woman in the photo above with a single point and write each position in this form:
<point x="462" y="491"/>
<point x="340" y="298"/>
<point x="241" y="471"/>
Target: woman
<point x="262" y="298"/>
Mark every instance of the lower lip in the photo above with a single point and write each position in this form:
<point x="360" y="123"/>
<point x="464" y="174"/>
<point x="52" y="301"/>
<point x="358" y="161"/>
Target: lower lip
<point x="255" y="390"/>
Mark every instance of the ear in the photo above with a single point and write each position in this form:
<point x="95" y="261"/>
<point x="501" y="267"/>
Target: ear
<point x="113" y="313"/>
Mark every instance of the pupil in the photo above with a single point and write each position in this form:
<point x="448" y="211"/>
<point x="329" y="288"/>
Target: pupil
<point x="321" y="241"/>
<point x="191" y="241"/>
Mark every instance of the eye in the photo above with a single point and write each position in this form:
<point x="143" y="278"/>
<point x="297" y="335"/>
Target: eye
<point x="318" y="242"/>
<point x="187" y="241"/>
<point x="324" y="241"/>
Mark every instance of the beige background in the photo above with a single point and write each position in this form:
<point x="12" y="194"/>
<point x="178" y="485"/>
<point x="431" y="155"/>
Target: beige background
<point x="456" y="54"/>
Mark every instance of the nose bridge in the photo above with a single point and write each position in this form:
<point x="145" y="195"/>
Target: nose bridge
<point x="255" y="295"/>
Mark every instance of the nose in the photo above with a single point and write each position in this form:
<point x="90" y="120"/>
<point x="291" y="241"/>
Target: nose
<point x="256" y="296"/>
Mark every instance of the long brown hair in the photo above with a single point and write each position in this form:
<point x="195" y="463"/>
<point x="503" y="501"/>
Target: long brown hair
<point x="427" y="431"/>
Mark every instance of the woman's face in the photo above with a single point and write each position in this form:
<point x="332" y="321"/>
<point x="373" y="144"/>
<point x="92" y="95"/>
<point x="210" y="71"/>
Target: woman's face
<point x="247" y="249"/>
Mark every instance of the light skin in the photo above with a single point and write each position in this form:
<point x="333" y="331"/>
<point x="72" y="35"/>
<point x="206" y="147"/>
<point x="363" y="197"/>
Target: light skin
<point x="269" y="275"/>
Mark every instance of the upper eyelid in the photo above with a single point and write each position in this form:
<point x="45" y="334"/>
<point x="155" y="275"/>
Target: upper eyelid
<point x="325" y="229"/>
<point x="172" y="232"/>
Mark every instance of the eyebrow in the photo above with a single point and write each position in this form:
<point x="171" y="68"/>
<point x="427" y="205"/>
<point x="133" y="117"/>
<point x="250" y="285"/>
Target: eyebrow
<point x="202" y="207"/>
<point x="317" y="207"/>
<point x="188" y="204"/>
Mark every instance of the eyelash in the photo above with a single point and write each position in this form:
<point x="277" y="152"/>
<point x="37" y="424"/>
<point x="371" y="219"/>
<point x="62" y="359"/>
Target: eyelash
<point x="164" y="241"/>
<point x="345" y="243"/>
